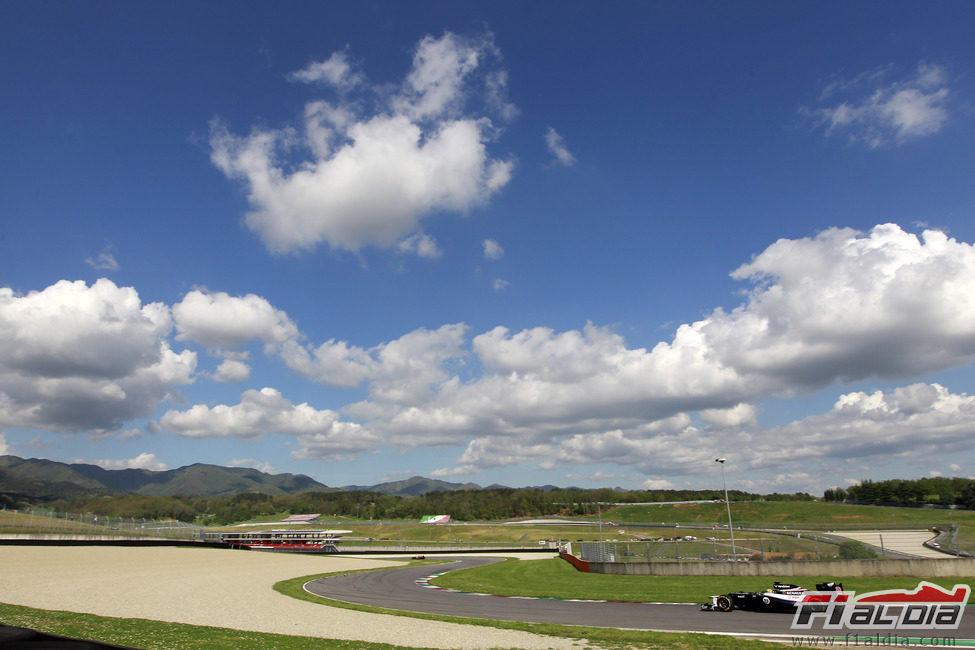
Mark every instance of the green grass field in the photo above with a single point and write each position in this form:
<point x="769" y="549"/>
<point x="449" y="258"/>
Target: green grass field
<point x="153" y="635"/>
<point x="556" y="578"/>
<point x="813" y="515"/>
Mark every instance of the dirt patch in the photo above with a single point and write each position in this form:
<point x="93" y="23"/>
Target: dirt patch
<point x="222" y="588"/>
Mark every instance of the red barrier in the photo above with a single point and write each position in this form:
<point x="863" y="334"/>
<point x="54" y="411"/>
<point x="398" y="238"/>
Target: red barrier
<point x="580" y="565"/>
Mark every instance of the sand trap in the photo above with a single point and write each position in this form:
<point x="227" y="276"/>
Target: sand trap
<point x="222" y="588"/>
<point x="902" y="541"/>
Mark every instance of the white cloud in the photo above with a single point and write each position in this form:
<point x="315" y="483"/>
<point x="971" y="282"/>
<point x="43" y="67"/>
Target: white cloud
<point x="880" y="113"/>
<point x="446" y="472"/>
<point x="4" y="449"/>
<point x="435" y="85"/>
<point x="556" y="146"/>
<point x="596" y="477"/>
<point x="374" y="177"/>
<point x="104" y="261"/>
<point x="657" y="484"/>
<point x="492" y="250"/>
<point x="320" y="434"/>
<point x="915" y="421"/>
<point x="222" y="321"/>
<point x="335" y="71"/>
<point x="261" y="466"/>
<point x="333" y="362"/>
<point x="144" y="460"/>
<point x="80" y="358"/>
<point x="736" y="416"/>
<point x="910" y="421"/>
<point x="232" y="370"/>
<point x="842" y="306"/>
<point x="404" y="371"/>
<point x="421" y="245"/>
<point x="500" y="284"/>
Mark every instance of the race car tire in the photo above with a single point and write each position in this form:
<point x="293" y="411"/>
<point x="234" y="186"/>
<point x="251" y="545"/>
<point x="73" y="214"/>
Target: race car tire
<point x="723" y="604"/>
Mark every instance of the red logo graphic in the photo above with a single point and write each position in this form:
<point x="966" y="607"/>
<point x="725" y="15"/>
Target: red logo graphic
<point x="927" y="607"/>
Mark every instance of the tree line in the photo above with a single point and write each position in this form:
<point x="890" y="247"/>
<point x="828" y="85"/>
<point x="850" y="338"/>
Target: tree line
<point x="939" y="491"/>
<point x="462" y="505"/>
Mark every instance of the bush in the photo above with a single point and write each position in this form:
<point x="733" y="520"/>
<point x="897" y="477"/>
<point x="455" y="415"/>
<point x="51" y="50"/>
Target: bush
<point x="853" y="550"/>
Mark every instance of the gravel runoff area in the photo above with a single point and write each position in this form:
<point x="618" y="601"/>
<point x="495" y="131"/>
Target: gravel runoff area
<point x="223" y="588"/>
<point x="902" y="541"/>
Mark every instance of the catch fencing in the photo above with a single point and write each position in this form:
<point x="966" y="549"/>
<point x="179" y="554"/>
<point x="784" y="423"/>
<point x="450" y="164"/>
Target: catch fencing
<point x="37" y="523"/>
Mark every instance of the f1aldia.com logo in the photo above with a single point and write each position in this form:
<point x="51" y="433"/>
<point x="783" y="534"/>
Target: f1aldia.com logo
<point x="928" y="607"/>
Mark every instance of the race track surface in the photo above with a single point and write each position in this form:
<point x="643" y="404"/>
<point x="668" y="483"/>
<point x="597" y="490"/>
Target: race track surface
<point x="404" y="589"/>
<point x="398" y="589"/>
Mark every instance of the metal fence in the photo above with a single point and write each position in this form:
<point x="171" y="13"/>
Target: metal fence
<point x="690" y="548"/>
<point x="38" y="522"/>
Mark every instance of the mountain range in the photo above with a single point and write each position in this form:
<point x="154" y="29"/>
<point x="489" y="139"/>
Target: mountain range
<point x="41" y="480"/>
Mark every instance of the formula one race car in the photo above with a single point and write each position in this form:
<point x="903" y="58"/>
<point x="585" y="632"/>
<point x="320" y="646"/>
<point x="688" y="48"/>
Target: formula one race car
<point x="781" y="597"/>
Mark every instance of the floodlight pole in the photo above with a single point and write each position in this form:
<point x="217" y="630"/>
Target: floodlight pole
<point x="734" y="553"/>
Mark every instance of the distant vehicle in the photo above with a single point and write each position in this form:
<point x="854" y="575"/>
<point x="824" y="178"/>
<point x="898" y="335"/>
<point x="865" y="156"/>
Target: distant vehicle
<point x="782" y="597"/>
<point x="419" y="557"/>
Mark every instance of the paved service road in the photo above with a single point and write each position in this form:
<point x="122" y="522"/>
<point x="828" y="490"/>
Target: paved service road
<point x="398" y="589"/>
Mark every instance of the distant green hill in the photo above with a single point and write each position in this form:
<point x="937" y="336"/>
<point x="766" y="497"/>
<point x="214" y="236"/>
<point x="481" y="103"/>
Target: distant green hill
<point x="38" y="479"/>
<point x="412" y="487"/>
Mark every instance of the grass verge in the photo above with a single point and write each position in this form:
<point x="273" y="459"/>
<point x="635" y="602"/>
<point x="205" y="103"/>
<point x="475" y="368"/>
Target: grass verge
<point x="556" y="578"/>
<point x="158" y="635"/>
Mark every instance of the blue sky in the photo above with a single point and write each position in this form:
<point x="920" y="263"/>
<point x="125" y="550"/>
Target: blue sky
<point x="593" y="244"/>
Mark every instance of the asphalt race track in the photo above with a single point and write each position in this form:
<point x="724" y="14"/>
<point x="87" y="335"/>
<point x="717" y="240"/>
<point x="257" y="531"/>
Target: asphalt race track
<point x="398" y="589"/>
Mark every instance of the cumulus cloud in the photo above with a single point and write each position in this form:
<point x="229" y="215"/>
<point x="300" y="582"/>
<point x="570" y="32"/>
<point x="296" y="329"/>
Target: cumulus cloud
<point x="232" y="370"/>
<point x="916" y="421"/>
<point x="912" y="421"/>
<point x="738" y="415"/>
<point x="75" y="357"/>
<point x="492" y="250"/>
<point x="144" y="460"/>
<point x="372" y="177"/>
<point x="879" y="112"/>
<point x="404" y="371"/>
<point x="841" y="306"/>
<point x="847" y="306"/>
<point x="320" y="433"/>
<point x="556" y="147"/>
<point x="222" y="321"/>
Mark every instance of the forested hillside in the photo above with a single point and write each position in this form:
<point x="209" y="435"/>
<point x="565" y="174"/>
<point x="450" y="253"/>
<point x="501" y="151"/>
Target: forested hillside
<point x="938" y="491"/>
<point x="462" y="505"/>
